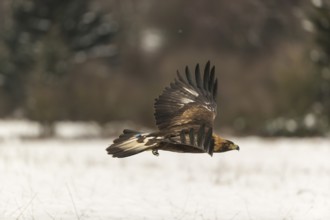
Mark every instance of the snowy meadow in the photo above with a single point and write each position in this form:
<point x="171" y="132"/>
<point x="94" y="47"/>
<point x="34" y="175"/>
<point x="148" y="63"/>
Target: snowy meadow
<point x="64" y="178"/>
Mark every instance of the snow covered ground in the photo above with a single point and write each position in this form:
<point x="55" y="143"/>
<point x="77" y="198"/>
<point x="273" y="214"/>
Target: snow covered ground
<point x="17" y="129"/>
<point x="75" y="179"/>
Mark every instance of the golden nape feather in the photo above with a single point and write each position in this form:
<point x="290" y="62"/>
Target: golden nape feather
<point x="185" y="114"/>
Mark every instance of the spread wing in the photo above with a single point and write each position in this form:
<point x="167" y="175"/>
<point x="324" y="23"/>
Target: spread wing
<point x="188" y="103"/>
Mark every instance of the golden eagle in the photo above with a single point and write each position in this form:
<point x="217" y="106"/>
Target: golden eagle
<point x="184" y="114"/>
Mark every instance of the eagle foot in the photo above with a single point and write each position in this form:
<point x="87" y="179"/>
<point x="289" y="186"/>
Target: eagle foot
<point x="155" y="152"/>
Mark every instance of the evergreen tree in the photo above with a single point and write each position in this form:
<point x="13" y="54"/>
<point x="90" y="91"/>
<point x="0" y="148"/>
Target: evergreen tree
<point x="39" y="27"/>
<point x="321" y="21"/>
<point x="44" y="41"/>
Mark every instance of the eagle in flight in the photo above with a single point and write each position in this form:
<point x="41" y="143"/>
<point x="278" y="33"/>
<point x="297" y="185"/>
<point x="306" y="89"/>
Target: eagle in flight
<point x="184" y="114"/>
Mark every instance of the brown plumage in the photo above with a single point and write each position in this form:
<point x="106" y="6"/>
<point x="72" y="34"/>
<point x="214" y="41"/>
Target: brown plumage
<point x="184" y="114"/>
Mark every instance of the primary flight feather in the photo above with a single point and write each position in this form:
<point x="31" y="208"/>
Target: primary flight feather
<point x="184" y="114"/>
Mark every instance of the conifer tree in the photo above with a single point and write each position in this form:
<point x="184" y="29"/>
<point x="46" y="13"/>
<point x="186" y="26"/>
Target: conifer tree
<point x="54" y="33"/>
<point x="321" y="22"/>
<point x="43" y="42"/>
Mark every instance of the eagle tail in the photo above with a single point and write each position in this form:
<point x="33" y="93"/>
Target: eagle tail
<point x="130" y="143"/>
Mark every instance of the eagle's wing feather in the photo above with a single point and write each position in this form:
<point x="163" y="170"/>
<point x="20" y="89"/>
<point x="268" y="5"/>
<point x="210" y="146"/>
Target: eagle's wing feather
<point x="188" y="103"/>
<point x="200" y="140"/>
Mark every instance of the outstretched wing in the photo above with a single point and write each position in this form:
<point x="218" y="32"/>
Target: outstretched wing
<point x="188" y="103"/>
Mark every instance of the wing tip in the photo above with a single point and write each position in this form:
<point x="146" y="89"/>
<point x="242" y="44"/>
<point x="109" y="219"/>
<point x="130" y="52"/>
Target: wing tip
<point x="198" y="76"/>
<point x="206" y="76"/>
<point x="215" y="89"/>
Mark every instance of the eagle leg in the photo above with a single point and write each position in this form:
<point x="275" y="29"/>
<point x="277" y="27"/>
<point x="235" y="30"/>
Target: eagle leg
<point x="155" y="152"/>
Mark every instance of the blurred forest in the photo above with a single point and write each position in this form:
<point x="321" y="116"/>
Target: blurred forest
<point x="107" y="60"/>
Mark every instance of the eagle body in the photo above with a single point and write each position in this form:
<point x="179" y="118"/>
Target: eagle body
<point x="184" y="114"/>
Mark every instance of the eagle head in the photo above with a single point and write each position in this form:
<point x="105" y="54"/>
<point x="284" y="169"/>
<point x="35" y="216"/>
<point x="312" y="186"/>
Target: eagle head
<point x="223" y="145"/>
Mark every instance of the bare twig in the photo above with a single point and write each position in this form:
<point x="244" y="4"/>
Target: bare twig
<point x="234" y="216"/>
<point x="26" y="206"/>
<point x="73" y="203"/>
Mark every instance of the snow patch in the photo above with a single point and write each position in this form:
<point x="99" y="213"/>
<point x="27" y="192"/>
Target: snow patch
<point x="267" y="179"/>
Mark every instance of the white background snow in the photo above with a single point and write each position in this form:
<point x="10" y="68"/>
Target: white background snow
<point x="67" y="178"/>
